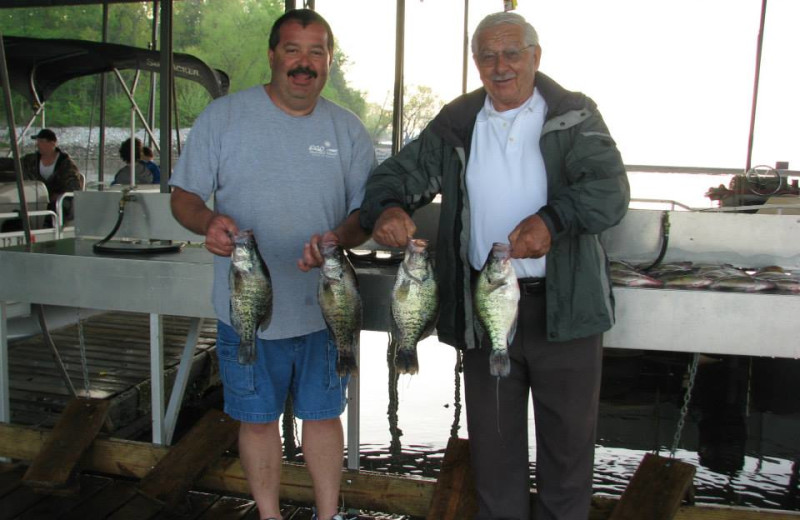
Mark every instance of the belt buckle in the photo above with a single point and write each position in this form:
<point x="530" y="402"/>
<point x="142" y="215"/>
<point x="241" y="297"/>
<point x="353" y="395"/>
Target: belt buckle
<point x="531" y="286"/>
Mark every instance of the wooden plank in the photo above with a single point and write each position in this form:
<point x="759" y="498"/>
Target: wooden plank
<point x="10" y="475"/>
<point x="454" y="496"/>
<point x="17" y="502"/>
<point x="229" y="508"/>
<point x="54" y="506"/>
<point x="102" y="504"/>
<point x="73" y="434"/>
<point x="193" y="505"/>
<point x="175" y="474"/>
<point x="364" y="489"/>
<point x="137" y="508"/>
<point x="656" y="490"/>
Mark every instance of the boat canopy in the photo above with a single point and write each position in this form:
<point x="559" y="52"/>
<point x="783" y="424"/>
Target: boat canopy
<point x="37" y="67"/>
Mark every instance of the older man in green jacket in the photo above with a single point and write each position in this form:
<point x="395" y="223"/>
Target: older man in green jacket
<point x="527" y="162"/>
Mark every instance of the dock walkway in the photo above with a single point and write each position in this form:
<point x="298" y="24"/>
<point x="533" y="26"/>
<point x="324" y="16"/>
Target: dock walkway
<point x="117" y="352"/>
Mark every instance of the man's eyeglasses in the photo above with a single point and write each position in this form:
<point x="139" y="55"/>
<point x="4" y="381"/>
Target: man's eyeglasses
<point x="512" y="56"/>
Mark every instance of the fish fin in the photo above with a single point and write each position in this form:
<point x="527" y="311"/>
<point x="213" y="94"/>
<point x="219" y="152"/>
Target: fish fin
<point x="406" y="361"/>
<point x="346" y="363"/>
<point x="511" y="332"/>
<point x="235" y="322"/>
<point x="265" y="323"/>
<point x="499" y="363"/>
<point x="247" y="351"/>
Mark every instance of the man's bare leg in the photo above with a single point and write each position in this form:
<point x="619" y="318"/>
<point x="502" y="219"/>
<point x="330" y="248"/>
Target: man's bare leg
<point x="262" y="459"/>
<point x="323" y="450"/>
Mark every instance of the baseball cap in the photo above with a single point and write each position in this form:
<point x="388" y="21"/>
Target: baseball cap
<point x="45" y="133"/>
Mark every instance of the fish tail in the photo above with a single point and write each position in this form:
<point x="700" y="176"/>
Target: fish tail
<point x="346" y="363"/>
<point x="406" y="361"/>
<point x="499" y="363"/>
<point x="247" y="351"/>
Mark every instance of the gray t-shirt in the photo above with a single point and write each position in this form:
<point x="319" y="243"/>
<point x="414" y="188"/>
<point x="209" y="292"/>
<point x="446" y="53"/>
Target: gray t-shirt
<point x="286" y="178"/>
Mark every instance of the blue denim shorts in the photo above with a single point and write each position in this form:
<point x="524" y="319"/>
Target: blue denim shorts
<point x="303" y="365"/>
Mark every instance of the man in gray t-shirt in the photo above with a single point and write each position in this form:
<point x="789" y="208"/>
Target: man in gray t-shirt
<point x="289" y="165"/>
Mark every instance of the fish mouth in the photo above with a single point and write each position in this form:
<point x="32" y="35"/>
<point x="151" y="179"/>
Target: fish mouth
<point x="417" y="245"/>
<point x="501" y="250"/>
<point x="328" y="248"/>
<point x="243" y="237"/>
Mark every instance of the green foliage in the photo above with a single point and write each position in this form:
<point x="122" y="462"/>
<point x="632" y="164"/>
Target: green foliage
<point x="231" y="35"/>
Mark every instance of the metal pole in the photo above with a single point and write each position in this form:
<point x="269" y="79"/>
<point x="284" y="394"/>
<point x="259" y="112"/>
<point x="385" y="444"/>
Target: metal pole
<point x="102" y="141"/>
<point x="12" y="138"/>
<point x="151" y="110"/>
<point x="399" y="53"/>
<point x="466" y="48"/>
<point x="755" y="86"/>
<point x="165" y="93"/>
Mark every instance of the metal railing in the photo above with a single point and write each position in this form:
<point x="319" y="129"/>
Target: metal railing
<point x="13" y="238"/>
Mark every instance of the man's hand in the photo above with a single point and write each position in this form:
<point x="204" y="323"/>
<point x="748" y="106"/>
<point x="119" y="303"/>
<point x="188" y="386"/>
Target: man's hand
<point x="530" y="239"/>
<point x="312" y="256"/>
<point x="393" y="228"/>
<point x="219" y="235"/>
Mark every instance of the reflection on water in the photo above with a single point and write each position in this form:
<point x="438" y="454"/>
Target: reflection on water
<point x="742" y="431"/>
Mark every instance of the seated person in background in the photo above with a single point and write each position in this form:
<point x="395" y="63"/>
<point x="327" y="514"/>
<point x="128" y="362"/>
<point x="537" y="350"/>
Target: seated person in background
<point x="143" y="174"/>
<point x="54" y="167"/>
<point x="147" y="159"/>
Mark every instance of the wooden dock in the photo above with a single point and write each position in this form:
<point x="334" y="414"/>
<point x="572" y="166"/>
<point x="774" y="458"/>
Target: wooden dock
<point x="103" y="497"/>
<point x="117" y="353"/>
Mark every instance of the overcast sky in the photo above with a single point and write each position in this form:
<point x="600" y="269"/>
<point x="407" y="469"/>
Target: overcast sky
<point x="673" y="79"/>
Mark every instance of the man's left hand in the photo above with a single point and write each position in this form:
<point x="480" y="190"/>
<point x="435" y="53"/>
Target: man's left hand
<point x="530" y="239"/>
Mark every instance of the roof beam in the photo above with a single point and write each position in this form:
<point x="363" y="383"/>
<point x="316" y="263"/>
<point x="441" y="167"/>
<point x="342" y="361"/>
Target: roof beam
<point x="4" y="4"/>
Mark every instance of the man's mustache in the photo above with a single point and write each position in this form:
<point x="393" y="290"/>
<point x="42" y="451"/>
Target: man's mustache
<point x="303" y="70"/>
<point x="503" y="77"/>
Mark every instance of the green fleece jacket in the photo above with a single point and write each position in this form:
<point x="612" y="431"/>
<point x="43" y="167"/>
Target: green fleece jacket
<point x="587" y="192"/>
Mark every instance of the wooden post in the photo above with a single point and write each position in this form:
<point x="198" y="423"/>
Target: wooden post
<point x="454" y="496"/>
<point x="54" y="467"/>
<point x="656" y="490"/>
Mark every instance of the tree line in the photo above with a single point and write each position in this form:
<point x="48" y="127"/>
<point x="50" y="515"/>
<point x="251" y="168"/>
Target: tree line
<point x="230" y="35"/>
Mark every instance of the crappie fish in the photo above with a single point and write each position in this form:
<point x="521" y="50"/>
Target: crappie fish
<point x="340" y="302"/>
<point x="743" y="283"/>
<point x="414" y="305"/>
<point x="251" y="294"/>
<point x="685" y="281"/>
<point x="496" y="298"/>
<point x="634" y="279"/>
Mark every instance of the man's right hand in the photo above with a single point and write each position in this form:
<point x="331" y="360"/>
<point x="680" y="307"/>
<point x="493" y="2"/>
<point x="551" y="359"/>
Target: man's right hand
<point x="219" y="235"/>
<point x="193" y="214"/>
<point x="393" y="228"/>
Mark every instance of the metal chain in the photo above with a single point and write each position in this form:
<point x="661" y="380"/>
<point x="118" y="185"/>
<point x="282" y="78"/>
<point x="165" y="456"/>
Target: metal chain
<point x="84" y="363"/>
<point x="685" y="408"/>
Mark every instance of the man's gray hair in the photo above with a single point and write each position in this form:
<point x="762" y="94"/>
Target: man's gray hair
<point x="495" y="19"/>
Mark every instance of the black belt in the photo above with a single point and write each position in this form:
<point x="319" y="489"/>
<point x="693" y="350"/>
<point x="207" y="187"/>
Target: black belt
<point x="531" y="286"/>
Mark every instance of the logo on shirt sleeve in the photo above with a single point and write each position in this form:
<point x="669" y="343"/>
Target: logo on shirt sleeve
<point x="323" y="150"/>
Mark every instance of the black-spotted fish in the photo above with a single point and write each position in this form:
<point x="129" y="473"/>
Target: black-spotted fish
<point x="340" y="302"/>
<point x="251" y="294"/>
<point x="496" y="298"/>
<point x="414" y="305"/>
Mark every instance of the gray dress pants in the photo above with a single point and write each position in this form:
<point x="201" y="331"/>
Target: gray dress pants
<point x="564" y="380"/>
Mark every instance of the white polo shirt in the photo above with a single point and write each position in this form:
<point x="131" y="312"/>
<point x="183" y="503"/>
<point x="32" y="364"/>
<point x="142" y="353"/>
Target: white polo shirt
<point x="506" y="178"/>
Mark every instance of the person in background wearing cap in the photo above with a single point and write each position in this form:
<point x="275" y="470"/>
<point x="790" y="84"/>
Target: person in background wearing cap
<point x="54" y="167"/>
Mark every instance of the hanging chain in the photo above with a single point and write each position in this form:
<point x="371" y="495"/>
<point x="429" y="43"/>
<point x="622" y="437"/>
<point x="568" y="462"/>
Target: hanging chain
<point x="84" y="363"/>
<point x="685" y="408"/>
